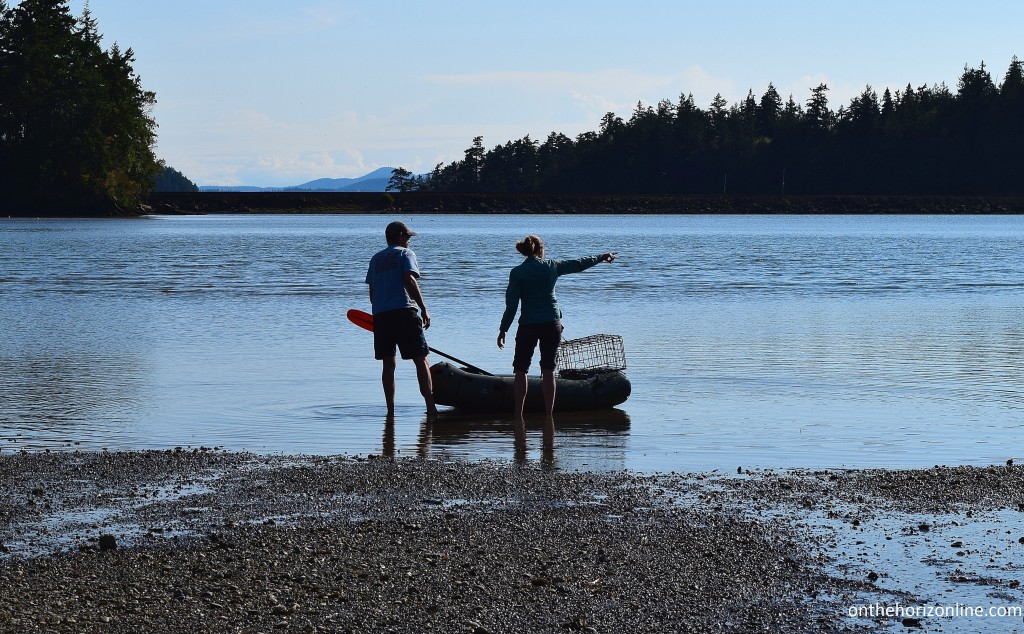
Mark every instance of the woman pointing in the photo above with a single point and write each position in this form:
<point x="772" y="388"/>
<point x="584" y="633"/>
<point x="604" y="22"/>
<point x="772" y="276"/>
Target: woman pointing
<point x="531" y="285"/>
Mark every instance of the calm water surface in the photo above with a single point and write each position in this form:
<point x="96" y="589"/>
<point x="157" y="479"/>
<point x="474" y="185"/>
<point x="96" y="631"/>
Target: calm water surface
<point x="761" y="341"/>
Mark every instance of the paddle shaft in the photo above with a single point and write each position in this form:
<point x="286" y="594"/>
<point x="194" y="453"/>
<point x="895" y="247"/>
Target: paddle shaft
<point x="464" y="364"/>
<point x="365" y="321"/>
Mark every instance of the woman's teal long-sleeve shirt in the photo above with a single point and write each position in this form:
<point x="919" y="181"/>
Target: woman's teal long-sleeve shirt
<point x="532" y="284"/>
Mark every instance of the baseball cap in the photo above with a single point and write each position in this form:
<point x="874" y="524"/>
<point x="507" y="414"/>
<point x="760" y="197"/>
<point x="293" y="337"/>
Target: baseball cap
<point x="396" y="228"/>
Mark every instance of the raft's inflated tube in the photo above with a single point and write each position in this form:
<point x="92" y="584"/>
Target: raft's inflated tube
<point x="462" y="389"/>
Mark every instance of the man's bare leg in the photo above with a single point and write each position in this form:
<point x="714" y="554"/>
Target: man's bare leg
<point x="387" y="379"/>
<point x="426" y="385"/>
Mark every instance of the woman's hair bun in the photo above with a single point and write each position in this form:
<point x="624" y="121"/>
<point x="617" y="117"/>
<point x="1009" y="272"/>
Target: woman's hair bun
<point x="530" y="245"/>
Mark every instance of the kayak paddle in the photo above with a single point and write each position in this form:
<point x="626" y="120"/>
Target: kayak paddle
<point x="365" y="321"/>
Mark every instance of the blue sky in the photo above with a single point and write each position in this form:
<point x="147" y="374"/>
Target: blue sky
<point x="272" y="93"/>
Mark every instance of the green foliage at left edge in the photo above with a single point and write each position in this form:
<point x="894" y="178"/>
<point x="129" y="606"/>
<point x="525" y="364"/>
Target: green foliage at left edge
<point x="76" y="134"/>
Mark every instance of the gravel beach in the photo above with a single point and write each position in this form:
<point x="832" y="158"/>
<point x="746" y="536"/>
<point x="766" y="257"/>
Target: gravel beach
<point x="204" y="540"/>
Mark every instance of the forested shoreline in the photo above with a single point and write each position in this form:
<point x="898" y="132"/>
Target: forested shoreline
<point x="77" y="137"/>
<point x="914" y="141"/>
<point x="487" y="203"/>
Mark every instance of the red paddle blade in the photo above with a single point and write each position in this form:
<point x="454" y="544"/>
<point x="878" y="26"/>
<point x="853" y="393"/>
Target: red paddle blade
<point x="361" y="319"/>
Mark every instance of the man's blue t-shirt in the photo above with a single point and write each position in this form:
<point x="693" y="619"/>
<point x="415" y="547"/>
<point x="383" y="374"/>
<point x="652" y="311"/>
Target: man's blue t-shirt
<point x="386" y="277"/>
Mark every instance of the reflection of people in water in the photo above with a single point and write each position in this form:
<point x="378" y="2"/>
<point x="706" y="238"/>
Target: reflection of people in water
<point x="547" y="447"/>
<point x="388" y="443"/>
<point x="532" y="284"/>
<point x="422" y="444"/>
<point x="426" y="438"/>
<point x="600" y="434"/>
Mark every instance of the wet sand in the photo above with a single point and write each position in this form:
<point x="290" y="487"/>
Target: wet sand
<point x="203" y="540"/>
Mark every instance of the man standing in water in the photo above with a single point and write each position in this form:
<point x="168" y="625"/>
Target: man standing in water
<point x="394" y="297"/>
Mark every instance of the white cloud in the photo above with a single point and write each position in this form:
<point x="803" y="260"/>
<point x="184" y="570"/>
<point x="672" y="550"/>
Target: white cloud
<point x="322" y="16"/>
<point x="595" y="93"/>
<point x="610" y="81"/>
<point x="271" y="151"/>
<point x="282" y="21"/>
<point x="294" y="146"/>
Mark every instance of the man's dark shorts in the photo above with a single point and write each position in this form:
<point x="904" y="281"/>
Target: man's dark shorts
<point x="548" y="334"/>
<point x="402" y="327"/>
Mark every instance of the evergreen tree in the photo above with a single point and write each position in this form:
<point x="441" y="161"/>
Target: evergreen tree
<point x="1011" y="92"/>
<point x="473" y="164"/>
<point x="976" y="86"/>
<point x="818" y="115"/>
<point x="769" y="110"/>
<point x="401" y="180"/>
<point x="718" y="114"/>
<point x="171" y="180"/>
<point x="554" y="161"/>
<point x="1007" y="163"/>
<point x="75" y="131"/>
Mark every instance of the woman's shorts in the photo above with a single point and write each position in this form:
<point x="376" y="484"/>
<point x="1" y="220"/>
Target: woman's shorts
<point x="402" y="328"/>
<point x="527" y="336"/>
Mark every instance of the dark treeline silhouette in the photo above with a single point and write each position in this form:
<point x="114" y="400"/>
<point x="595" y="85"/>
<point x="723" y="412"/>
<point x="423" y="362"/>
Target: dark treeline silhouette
<point x="926" y="140"/>
<point x="76" y="135"/>
<point x="171" y="180"/>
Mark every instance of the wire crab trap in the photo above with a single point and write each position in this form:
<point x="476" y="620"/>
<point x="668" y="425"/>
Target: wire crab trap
<point x="590" y="355"/>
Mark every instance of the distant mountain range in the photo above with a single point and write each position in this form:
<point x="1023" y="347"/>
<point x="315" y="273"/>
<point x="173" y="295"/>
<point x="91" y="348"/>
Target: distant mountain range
<point x="375" y="181"/>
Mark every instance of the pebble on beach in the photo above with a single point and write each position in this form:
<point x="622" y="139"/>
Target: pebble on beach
<point x="223" y="542"/>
